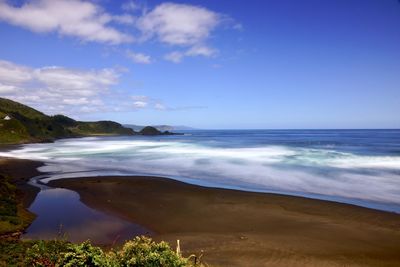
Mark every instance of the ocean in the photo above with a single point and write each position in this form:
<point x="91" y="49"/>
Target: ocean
<point x="360" y="167"/>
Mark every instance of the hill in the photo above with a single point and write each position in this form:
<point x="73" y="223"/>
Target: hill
<point x="22" y="124"/>
<point x="161" y="128"/>
<point x="150" y="130"/>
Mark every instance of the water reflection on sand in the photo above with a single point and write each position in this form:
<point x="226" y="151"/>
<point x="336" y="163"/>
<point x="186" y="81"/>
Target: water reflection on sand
<point x="60" y="212"/>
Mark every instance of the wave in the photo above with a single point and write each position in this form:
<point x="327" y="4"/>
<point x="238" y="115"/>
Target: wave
<point x="294" y="170"/>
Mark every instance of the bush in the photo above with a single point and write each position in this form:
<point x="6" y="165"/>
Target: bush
<point x="139" y="252"/>
<point x="84" y="255"/>
<point x="46" y="253"/>
<point x="143" y="252"/>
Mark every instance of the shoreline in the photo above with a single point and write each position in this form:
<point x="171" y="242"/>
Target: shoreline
<point x="236" y="228"/>
<point x="232" y="227"/>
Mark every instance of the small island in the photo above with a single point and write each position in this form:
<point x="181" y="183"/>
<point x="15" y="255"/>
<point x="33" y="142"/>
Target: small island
<point x="150" y="130"/>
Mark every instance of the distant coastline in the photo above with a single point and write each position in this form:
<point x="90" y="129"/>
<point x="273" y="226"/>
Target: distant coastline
<point x="20" y="124"/>
<point x="161" y="128"/>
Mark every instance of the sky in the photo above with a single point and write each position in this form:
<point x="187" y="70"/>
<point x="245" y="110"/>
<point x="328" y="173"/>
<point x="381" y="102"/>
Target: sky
<point x="211" y="64"/>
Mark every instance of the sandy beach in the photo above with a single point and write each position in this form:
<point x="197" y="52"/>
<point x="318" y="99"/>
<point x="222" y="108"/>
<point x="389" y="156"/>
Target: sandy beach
<point x="235" y="228"/>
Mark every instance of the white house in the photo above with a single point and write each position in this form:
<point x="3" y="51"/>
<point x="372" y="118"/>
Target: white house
<point x="7" y="118"/>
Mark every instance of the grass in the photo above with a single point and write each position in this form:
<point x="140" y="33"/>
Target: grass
<point x="12" y="131"/>
<point x="13" y="224"/>
<point x="8" y="106"/>
<point x="13" y="216"/>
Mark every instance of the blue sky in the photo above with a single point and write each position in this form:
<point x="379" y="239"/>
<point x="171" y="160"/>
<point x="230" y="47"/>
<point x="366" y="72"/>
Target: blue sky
<point x="206" y="64"/>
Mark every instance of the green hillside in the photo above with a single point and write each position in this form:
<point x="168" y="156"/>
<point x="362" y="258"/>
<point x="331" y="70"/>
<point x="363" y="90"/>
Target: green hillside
<point x="8" y="106"/>
<point x="29" y="125"/>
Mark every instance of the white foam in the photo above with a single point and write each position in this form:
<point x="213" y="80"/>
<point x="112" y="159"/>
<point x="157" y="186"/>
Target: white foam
<point x="309" y="171"/>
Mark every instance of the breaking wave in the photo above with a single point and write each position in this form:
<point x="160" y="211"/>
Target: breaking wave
<point x="326" y="173"/>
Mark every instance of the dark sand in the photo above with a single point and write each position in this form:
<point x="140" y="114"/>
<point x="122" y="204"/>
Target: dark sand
<point x="236" y="228"/>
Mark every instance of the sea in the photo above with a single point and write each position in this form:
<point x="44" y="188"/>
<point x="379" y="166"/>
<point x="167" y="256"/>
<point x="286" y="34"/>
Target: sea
<point x="360" y="167"/>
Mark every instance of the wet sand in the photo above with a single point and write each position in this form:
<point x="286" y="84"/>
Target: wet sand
<point x="235" y="228"/>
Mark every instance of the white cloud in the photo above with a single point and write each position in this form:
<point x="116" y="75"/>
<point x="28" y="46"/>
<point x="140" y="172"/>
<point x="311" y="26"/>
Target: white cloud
<point x="11" y="73"/>
<point x="124" y="19"/>
<point x="76" y="101"/>
<point x="188" y="27"/>
<point x="78" y="18"/>
<point x="179" y="24"/>
<point x="160" y="106"/>
<point x="238" y="26"/>
<point x="75" y="82"/>
<point x="139" y="57"/>
<point x="140" y="101"/>
<point x="140" y="104"/>
<point x="4" y="89"/>
<point x="140" y="98"/>
<point x="200" y="50"/>
<point x="175" y="57"/>
<point x="56" y="89"/>
<point x="130" y="6"/>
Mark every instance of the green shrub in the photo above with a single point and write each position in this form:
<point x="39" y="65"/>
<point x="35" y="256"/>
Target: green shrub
<point x="139" y="252"/>
<point x="8" y="203"/>
<point x="12" y="253"/>
<point x="84" y="255"/>
<point x="143" y="252"/>
<point x="47" y="253"/>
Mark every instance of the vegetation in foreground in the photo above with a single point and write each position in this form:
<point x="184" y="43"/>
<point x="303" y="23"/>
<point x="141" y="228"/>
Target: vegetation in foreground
<point x="140" y="252"/>
<point x="13" y="216"/>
